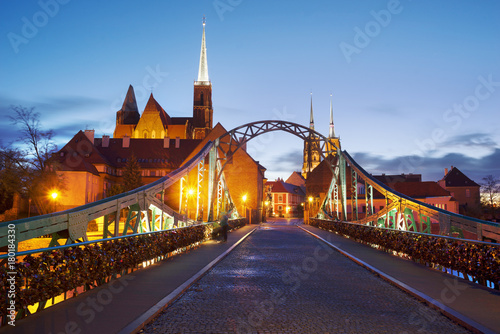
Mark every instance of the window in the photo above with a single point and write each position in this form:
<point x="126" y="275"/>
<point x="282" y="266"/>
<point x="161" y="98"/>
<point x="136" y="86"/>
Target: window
<point x="467" y="192"/>
<point x="280" y="208"/>
<point x="152" y="173"/>
<point x="280" y="199"/>
<point x="361" y="190"/>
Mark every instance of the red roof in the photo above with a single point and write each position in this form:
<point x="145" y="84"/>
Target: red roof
<point x="420" y="189"/>
<point x="80" y="154"/>
<point x="283" y="187"/>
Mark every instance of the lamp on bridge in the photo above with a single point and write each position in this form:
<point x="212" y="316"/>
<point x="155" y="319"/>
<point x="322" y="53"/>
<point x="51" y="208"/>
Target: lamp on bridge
<point x="190" y="194"/>
<point x="310" y="199"/>
<point x="244" y="199"/>
<point x="54" y="194"/>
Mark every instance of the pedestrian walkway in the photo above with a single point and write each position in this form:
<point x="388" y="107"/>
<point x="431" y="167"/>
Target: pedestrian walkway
<point x="110" y="308"/>
<point x="283" y="280"/>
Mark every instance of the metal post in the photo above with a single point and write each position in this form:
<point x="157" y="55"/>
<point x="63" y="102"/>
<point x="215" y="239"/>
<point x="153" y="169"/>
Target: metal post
<point x="343" y="186"/>
<point x="354" y="195"/>
<point x="201" y="171"/>
<point x="181" y="193"/>
<point x="212" y="165"/>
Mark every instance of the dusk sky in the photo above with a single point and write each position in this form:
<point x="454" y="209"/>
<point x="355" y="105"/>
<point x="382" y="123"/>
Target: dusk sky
<point x="415" y="84"/>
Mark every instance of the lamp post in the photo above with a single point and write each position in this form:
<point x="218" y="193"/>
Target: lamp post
<point x="266" y="209"/>
<point x="189" y="196"/>
<point x="310" y="199"/>
<point x="244" y="199"/>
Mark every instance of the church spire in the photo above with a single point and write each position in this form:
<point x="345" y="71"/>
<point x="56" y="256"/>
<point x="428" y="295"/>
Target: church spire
<point x="203" y="69"/>
<point x="331" y="134"/>
<point x="311" y="122"/>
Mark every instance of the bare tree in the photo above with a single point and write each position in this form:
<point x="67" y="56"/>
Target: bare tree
<point x="490" y="193"/>
<point x="26" y="163"/>
<point x="38" y="144"/>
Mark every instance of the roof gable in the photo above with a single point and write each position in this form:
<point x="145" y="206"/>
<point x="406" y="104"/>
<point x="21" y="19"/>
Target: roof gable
<point x="153" y="107"/>
<point x="455" y="178"/>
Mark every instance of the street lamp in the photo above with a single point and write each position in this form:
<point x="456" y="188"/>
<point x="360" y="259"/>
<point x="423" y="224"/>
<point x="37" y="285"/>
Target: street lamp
<point x="310" y="205"/>
<point x="244" y="198"/>
<point x="54" y="196"/>
<point x="190" y="194"/>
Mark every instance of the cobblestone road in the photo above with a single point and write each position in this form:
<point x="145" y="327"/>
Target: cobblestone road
<point x="281" y="280"/>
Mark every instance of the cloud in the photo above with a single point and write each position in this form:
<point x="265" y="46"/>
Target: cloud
<point x="386" y="109"/>
<point x="431" y="168"/>
<point x="294" y="157"/>
<point x="472" y="140"/>
<point x="65" y="116"/>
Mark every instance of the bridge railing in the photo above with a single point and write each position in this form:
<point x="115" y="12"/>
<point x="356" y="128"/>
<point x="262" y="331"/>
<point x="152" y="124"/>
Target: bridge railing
<point x="72" y="224"/>
<point x="87" y="265"/>
<point x="474" y="260"/>
<point x="401" y="211"/>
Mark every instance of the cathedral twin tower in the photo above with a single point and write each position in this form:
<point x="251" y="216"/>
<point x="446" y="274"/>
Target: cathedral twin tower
<point x="156" y="123"/>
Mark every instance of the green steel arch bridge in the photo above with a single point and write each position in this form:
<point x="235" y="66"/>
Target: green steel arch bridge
<point x="147" y="207"/>
<point x="145" y="211"/>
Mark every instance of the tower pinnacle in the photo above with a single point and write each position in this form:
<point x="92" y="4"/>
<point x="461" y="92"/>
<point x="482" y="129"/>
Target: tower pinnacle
<point x="311" y="122"/>
<point x="203" y="69"/>
<point x="331" y="133"/>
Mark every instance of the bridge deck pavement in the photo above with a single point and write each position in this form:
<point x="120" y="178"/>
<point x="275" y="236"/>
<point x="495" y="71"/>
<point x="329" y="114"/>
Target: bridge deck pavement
<point x="282" y="280"/>
<point x="109" y="308"/>
<point x="259" y="292"/>
<point x="477" y="303"/>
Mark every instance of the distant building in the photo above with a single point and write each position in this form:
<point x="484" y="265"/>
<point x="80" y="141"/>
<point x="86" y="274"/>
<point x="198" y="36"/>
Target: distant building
<point x="286" y="199"/>
<point x="297" y="179"/>
<point x="428" y="192"/>
<point x="312" y="149"/>
<point x="312" y="145"/>
<point x="466" y="191"/>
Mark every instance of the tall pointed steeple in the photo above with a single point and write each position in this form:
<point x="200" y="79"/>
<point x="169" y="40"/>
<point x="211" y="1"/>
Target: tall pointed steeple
<point x="203" y="69"/>
<point x="331" y="133"/>
<point x="202" y="102"/>
<point x="311" y="122"/>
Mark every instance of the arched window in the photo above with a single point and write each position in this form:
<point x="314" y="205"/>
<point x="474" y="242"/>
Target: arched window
<point x="145" y="134"/>
<point x="153" y="134"/>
